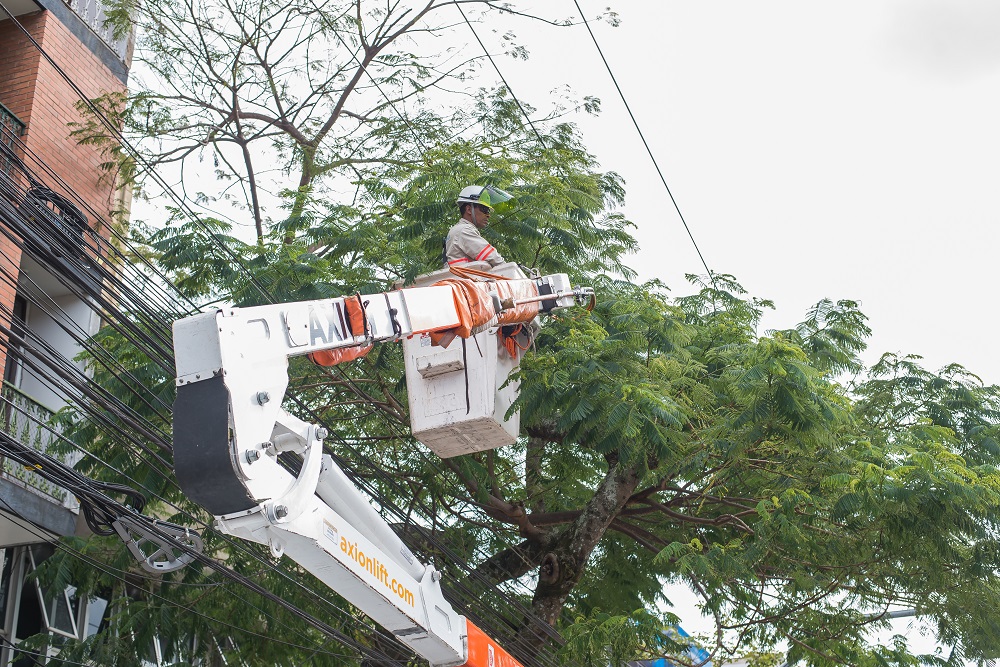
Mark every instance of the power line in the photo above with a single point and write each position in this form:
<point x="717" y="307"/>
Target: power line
<point x="35" y="655"/>
<point x="61" y="474"/>
<point x="105" y="250"/>
<point x="502" y="78"/>
<point x="121" y="576"/>
<point x="531" y="123"/>
<point x="116" y="133"/>
<point x="43" y="353"/>
<point x="52" y="354"/>
<point x="46" y="352"/>
<point x="79" y="482"/>
<point x="649" y="151"/>
<point x="238" y="261"/>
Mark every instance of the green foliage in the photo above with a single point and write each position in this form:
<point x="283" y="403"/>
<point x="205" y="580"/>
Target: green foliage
<point x="665" y="439"/>
<point x="623" y="391"/>
<point x="832" y="335"/>
<point x="602" y="639"/>
<point x="800" y="508"/>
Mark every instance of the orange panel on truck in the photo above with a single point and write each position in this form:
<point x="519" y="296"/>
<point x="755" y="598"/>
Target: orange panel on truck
<point x="484" y="652"/>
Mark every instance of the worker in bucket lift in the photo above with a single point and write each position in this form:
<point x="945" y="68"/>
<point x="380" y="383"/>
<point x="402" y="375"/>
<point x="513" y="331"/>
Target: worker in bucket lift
<point x="464" y="243"/>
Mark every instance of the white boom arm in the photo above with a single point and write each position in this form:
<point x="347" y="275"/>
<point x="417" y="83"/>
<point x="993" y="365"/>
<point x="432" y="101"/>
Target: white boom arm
<point x="230" y="429"/>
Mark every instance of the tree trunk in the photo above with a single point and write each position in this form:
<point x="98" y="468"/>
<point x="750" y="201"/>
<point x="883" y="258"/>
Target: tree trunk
<point x="563" y="567"/>
<point x="534" y="488"/>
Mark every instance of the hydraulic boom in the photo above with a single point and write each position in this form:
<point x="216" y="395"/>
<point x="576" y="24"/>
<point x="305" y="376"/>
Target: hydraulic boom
<point x="231" y="434"/>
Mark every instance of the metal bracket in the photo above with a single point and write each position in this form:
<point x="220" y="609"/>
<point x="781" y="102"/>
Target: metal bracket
<point x="166" y="557"/>
<point x="292" y="503"/>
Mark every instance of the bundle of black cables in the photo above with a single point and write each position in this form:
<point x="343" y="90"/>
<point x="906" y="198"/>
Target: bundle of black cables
<point x="99" y="510"/>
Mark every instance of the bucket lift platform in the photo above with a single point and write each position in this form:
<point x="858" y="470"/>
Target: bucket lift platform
<point x="460" y="395"/>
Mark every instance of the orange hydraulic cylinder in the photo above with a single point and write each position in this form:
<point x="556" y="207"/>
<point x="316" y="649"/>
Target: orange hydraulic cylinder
<point x="484" y="652"/>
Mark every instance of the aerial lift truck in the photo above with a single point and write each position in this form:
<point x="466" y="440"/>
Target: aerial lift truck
<point x="232" y="436"/>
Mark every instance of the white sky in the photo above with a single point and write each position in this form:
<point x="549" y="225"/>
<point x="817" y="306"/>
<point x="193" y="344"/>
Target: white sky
<point x="817" y="150"/>
<point x="918" y="634"/>
<point x="847" y="150"/>
<point x="841" y="150"/>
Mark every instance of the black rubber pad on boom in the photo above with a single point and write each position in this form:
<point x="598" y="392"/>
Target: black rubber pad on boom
<point x="202" y="461"/>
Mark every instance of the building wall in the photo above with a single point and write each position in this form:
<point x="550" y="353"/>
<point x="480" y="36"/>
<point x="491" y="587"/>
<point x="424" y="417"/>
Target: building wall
<point x="10" y="259"/>
<point x="35" y="91"/>
<point x="43" y="325"/>
<point x="20" y="69"/>
<point x="34" y="510"/>
<point x="39" y="96"/>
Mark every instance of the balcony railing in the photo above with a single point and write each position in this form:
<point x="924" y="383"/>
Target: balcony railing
<point x="31" y="424"/>
<point x="94" y="14"/>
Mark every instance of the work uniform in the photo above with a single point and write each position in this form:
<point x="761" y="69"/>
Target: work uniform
<point x="465" y="244"/>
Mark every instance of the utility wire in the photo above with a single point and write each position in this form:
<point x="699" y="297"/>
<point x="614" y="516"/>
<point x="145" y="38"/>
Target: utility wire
<point x="649" y="151"/>
<point x="37" y="354"/>
<point x="121" y="576"/>
<point x="50" y="353"/>
<point x="33" y="655"/>
<point x="503" y="78"/>
<point x="628" y="108"/>
<point x="528" y="119"/>
<point x="104" y="250"/>
<point x="61" y="474"/>
<point x="77" y="482"/>
<point x="118" y="135"/>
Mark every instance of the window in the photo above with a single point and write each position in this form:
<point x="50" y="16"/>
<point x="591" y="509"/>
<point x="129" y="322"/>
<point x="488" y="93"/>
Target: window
<point x="32" y="609"/>
<point x="11" y="129"/>
<point x="12" y="368"/>
<point x="61" y="224"/>
<point x="96" y="610"/>
<point x="60" y="610"/>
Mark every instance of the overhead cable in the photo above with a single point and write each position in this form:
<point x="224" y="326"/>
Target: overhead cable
<point x="125" y="577"/>
<point x="64" y="475"/>
<point x="520" y="106"/>
<point x="649" y="150"/>
<point x="56" y="472"/>
<point x="118" y="135"/>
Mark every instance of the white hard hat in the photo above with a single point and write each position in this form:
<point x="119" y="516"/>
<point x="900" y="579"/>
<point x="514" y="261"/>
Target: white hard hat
<point x="486" y="195"/>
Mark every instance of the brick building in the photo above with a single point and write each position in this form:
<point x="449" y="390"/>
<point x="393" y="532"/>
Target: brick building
<point x="55" y="206"/>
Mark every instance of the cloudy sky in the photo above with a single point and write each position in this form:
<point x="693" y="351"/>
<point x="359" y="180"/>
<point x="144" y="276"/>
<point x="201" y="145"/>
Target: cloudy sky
<point x="817" y="150"/>
<point x="847" y="150"/>
<point x="841" y="150"/>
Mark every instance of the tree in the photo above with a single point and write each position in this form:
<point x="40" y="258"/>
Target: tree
<point x="290" y="97"/>
<point x="665" y="439"/>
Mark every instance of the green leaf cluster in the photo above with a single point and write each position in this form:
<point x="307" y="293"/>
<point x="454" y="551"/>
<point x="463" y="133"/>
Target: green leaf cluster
<point x="665" y="439"/>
